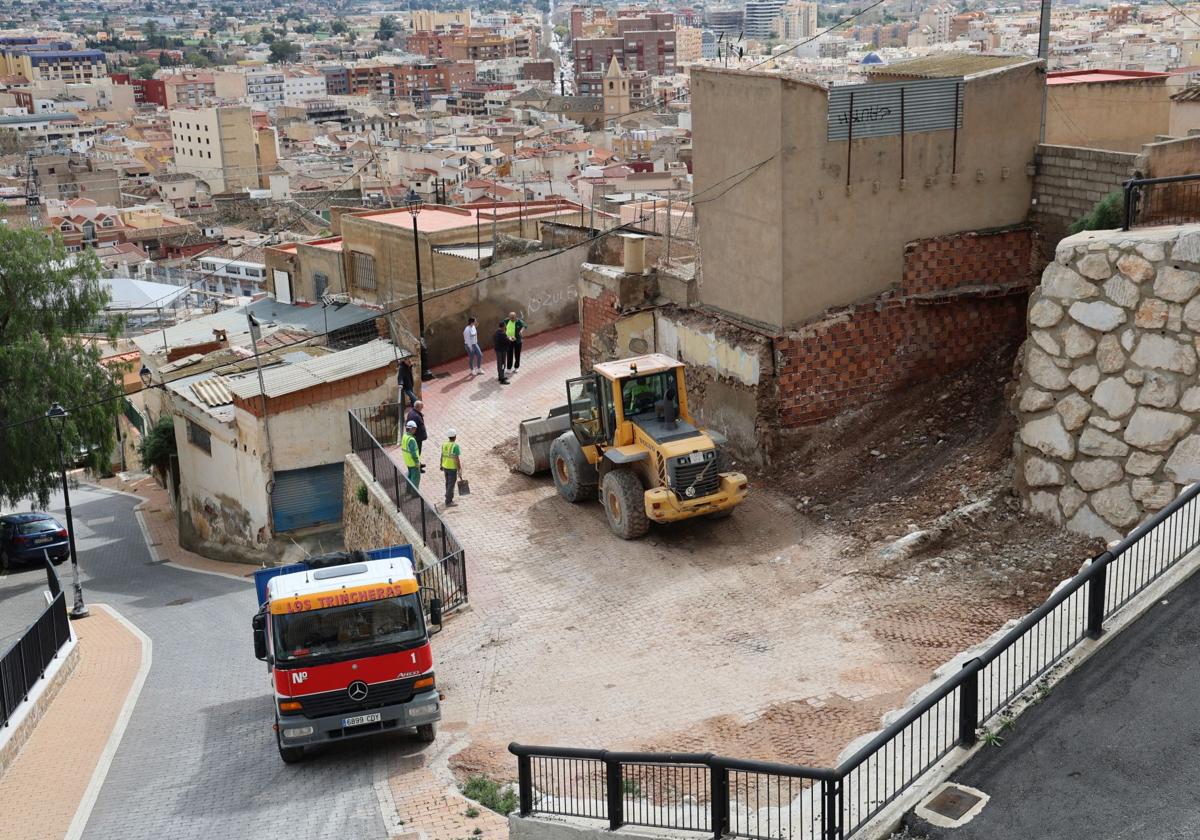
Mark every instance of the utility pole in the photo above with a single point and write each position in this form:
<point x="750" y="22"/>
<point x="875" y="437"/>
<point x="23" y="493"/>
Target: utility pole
<point x="1044" y="55"/>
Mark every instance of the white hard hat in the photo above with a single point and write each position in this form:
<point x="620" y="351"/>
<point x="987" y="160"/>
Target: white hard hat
<point x="411" y="424"/>
<point x="451" y="433"/>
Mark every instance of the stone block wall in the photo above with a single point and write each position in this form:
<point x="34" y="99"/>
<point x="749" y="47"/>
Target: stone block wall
<point x="377" y="523"/>
<point x="1109" y="396"/>
<point x="962" y="297"/>
<point x="1070" y="181"/>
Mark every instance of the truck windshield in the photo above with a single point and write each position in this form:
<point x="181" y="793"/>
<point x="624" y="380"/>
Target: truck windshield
<point x="339" y="631"/>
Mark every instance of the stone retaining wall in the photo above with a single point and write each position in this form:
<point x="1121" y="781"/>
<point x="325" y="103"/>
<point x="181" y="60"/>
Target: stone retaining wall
<point x="1109" y="396"/>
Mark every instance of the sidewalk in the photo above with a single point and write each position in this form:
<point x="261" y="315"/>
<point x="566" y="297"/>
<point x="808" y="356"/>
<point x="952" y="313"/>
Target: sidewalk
<point x="163" y="537"/>
<point x="44" y="786"/>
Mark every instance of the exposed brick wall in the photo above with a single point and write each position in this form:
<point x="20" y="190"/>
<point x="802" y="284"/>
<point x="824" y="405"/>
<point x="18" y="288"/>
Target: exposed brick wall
<point x="595" y="314"/>
<point x="855" y="355"/>
<point x="973" y="259"/>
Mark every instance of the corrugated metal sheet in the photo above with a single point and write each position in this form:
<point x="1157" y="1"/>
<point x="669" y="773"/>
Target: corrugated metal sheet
<point x="303" y="498"/>
<point x="948" y="65"/>
<point x="929" y="105"/>
<point x="287" y="379"/>
<point x="212" y="392"/>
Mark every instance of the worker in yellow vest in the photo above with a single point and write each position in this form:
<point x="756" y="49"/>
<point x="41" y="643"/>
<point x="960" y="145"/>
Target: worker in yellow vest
<point x="451" y="464"/>
<point x="412" y="455"/>
<point x="514" y="329"/>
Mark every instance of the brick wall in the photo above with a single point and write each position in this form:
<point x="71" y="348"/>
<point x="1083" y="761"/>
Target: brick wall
<point x="1070" y="181"/>
<point x="855" y="355"/>
<point x="972" y="259"/>
<point x="595" y="314"/>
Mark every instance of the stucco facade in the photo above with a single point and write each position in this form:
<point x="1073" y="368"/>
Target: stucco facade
<point x="1119" y="112"/>
<point x="819" y="224"/>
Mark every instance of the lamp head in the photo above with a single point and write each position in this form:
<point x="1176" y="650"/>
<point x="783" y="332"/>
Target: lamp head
<point x="412" y="201"/>
<point x="57" y="412"/>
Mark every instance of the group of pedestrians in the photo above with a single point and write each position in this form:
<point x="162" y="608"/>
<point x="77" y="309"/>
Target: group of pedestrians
<point x="412" y="441"/>
<point x="507" y="342"/>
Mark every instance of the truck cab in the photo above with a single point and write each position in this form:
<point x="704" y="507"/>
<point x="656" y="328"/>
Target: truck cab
<point x="347" y="647"/>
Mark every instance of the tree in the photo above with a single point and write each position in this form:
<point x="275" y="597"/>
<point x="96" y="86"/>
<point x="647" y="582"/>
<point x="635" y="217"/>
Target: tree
<point x="146" y="70"/>
<point x="266" y="36"/>
<point x="1108" y="214"/>
<point x="339" y="27"/>
<point x="51" y="301"/>
<point x="284" y="51"/>
<point x="157" y="447"/>
<point x="387" y="28"/>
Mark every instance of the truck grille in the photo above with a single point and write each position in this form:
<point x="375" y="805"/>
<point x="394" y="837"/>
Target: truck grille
<point x="338" y="702"/>
<point x="705" y="476"/>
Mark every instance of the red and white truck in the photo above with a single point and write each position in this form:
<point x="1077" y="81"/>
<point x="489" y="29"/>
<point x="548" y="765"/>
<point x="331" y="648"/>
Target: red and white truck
<point x="347" y="645"/>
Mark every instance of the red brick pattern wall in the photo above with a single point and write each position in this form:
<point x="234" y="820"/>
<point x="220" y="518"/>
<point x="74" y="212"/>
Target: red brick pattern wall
<point x="865" y="352"/>
<point x="969" y="259"/>
<point x="596" y="314"/>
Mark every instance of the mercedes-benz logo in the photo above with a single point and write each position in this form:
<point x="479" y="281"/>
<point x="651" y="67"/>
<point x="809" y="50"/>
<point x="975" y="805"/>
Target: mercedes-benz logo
<point x="357" y="691"/>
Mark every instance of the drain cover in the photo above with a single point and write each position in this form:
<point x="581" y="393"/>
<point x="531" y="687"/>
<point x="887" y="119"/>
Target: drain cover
<point x="953" y="802"/>
<point x="179" y="602"/>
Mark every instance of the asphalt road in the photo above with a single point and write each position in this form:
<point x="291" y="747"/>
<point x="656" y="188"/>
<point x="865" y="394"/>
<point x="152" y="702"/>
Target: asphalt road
<point x="1113" y="753"/>
<point x="198" y="759"/>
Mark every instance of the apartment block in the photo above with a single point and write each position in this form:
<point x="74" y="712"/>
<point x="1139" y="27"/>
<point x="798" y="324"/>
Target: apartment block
<point x="645" y="43"/>
<point x="217" y="145"/>
<point x="189" y="90"/>
<point x="55" y="62"/>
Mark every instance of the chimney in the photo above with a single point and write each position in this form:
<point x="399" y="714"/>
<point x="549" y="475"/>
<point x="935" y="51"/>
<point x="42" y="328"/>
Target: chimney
<point x="635" y="253"/>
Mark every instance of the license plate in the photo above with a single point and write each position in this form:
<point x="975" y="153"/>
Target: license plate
<point x="43" y="540"/>
<point x="359" y="720"/>
<point x="696" y="458"/>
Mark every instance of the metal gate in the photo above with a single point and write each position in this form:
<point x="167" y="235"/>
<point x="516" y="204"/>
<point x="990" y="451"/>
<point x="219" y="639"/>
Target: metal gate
<point x="307" y="497"/>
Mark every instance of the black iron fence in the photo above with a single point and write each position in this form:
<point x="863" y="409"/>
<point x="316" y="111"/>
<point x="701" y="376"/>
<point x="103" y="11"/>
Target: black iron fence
<point x="1162" y="201"/>
<point x="766" y="801"/>
<point x="26" y="661"/>
<point x="371" y="430"/>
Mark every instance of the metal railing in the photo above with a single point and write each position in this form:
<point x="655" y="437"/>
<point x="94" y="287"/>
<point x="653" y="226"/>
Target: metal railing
<point x="766" y="801"/>
<point x="447" y="578"/>
<point x="1162" y="201"/>
<point x="26" y="661"/>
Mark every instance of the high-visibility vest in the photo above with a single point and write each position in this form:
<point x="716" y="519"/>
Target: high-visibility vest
<point x="450" y="452"/>
<point x="510" y="329"/>
<point x="408" y="444"/>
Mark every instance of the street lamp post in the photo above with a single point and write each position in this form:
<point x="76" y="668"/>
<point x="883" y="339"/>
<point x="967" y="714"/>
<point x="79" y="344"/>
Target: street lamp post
<point x="413" y="202"/>
<point x="57" y="415"/>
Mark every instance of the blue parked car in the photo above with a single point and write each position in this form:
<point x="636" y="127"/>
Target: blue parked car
<point x="24" y="536"/>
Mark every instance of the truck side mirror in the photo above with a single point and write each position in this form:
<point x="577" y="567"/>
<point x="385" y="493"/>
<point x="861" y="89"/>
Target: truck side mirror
<point x="435" y="612"/>
<point x="260" y="636"/>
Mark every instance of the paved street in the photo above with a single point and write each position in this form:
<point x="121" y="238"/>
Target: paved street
<point x="1111" y="754"/>
<point x="198" y="758"/>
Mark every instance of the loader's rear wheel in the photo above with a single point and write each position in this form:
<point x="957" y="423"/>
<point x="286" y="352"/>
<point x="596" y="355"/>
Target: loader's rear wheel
<point x="574" y="477"/>
<point x="624" y="502"/>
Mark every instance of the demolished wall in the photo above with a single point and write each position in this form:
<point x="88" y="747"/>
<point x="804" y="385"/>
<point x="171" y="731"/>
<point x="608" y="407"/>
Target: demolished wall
<point x="1109" y="394"/>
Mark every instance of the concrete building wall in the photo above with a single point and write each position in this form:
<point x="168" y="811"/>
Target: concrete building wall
<point x="788" y="243"/>
<point x="1070" y="180"/>
<point x="1116" y="116"/>
<point x="216" y="145"/>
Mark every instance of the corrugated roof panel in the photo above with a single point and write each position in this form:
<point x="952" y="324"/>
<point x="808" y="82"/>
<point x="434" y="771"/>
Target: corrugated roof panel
<point x="287" y="379"/>
<point x="947" y="65"/>
<point x="926" y="105"/>
<point x="212" y="392"/>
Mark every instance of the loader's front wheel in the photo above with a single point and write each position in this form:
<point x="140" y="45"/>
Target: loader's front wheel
<point x="574" y="477"/>
<point x="624" y="502"/>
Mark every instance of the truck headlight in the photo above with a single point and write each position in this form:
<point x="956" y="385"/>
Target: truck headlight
<point x="423" y="709"/>
<point x="298" y="732"/>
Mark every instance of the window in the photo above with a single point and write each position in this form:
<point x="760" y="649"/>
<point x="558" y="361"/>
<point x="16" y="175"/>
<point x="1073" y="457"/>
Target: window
<point x="254" y="272"/>
<point x="65" y="226"/>
<point x="233" y="269"/>
<point x="363" y="267"/>
<point x="107" y="223"/>
<point x="199" y="437"/>
<point x="207" y="266"/>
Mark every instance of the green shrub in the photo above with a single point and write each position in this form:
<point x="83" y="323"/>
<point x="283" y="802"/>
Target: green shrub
<point x="489" y="794"/>
<point x="1108" y="214"/>
<point x="158" y="445"/>
<point x="361" y="494"/>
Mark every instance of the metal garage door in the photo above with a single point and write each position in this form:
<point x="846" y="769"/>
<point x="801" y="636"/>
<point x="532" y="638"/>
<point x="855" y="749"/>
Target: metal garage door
<point x="307" y="497"/>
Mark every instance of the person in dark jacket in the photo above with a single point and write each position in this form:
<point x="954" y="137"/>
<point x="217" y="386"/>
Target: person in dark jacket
<point x="405" y="378"/>
<point x="500" y="340"/>
<point x="416" y="414"/>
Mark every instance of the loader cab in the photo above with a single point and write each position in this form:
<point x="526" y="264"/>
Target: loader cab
<point x="651" y="396"/>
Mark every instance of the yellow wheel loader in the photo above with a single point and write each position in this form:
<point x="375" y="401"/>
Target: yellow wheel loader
<point x="626" y="435"/>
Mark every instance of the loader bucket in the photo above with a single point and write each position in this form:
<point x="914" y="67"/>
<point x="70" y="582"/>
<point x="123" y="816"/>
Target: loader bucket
<point x="535" y="437"/>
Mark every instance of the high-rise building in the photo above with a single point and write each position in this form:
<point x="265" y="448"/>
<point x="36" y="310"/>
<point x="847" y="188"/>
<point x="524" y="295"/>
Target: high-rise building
<point x="56" y="62"/>
<point x="725" y="21"/>
<point x="760" y="19"/>
<point x="797" y="20"/>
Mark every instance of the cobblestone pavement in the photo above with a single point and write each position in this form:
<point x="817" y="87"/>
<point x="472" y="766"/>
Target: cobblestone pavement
<point x="752" y="636"/>
<point x="198" y="758"/>
<point x="61" y="754"/>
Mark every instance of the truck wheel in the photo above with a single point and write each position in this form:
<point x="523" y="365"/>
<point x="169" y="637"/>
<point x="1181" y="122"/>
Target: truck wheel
<point x="426" y="732"/>
<point x="290" y="755"/>
<point x="574" y="477"/>
<point x="624" y="502"/>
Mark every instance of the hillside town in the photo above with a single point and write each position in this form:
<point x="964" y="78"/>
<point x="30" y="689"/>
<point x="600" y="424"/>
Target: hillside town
<point x="755" y="419"/>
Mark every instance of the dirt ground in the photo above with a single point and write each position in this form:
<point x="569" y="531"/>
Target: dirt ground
<point x="886" y="544"/>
